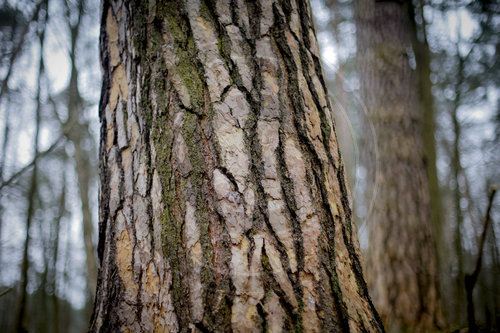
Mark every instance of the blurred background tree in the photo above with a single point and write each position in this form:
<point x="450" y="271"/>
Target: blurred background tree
<point x="455" y="54"/>
<point x="401" y="263"/>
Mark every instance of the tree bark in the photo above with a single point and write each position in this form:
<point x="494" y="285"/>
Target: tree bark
<point x="401" y="263"/>
<point x="223" y="200"/>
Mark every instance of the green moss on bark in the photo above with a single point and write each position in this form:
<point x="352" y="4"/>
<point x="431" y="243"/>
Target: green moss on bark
<point x="177" y="27"/>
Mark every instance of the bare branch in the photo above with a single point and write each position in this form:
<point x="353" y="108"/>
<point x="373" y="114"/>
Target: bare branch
<point x="30" y="164"/>
<point x="6" y="291"/>
<point x="471" y="279"/>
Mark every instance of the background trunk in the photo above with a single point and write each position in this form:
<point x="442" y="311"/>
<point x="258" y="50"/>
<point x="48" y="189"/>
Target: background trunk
<point x="78" y="134"/>
<point x="223" y="201"/>
<point x="401" y="265"/>
<point x="422" y="54"/>
<point x="32" y="194"/>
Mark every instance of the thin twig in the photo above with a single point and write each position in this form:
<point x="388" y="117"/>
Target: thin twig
<point x="30" y="164"/>
<point x="6" y="291"/>
<point x="471" y="279"/>
<point x="67" y="127"/>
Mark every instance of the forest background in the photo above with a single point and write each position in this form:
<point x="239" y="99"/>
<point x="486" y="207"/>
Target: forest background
<point x="49" y="129"/>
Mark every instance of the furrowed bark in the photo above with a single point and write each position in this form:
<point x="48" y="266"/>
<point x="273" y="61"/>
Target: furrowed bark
<point x="223" y="202"/>
<point x="401" y="261"/>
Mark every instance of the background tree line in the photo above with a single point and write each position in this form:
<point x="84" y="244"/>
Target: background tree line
<point x="48" y="164"/>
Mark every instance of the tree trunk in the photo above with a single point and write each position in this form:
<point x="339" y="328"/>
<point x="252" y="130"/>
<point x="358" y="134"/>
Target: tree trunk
<point x="57" y="231"/>
<point x="21" y="325"/>
<point x="341" y="107"/>
<point x="83" y="164"/>
<point x="223" y="200"/>
<point x="5" y="145"/>
<point x="401" y="265"/>
<point x="456" y="167"/>
<point x="423" y="63"/>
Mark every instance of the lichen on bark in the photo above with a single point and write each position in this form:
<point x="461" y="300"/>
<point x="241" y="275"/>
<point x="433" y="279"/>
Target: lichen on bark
<point x="227" y="182"/>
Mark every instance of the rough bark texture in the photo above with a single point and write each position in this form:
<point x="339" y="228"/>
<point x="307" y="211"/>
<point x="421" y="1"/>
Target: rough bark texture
<point x="223" y="203"/>
<point x="401" y="266"/>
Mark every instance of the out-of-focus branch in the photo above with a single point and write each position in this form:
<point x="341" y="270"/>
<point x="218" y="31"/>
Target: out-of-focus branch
<point x="30" y="164"/>
<point x="6" y="291"/>
<point x="67" y="127"/>
<point x="471" y="279"/>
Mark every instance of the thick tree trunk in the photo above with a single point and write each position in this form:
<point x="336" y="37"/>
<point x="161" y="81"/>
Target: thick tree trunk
<point x="401" y="263"/>
<point x="223" y="203"/>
